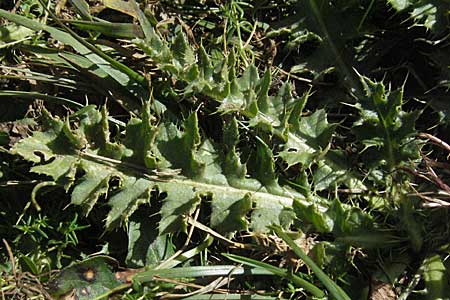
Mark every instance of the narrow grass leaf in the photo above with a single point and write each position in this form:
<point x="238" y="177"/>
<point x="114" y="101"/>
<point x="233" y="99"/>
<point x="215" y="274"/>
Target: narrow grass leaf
<point x="279" y="272"/>
<point x="117" y="30"/>
<point x="232" y="297"/>
<point x="199" y="271"/>
<point x="82" y="8"/>
<point x="120" y="72"/>
<point x="31" y="96"/>
<point x="331" y="286"/>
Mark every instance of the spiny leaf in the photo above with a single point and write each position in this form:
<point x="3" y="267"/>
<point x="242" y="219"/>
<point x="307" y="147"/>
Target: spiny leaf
<point x="308" y="140"/>
<point x="93" y="184"/>
<point x="428" y="13"/>
<point x="349" y="225"/>
<point x="145" y="246"/>
<point x="139" y="137"/>
<point x="87" y="148"/>
<point x="380" y="112"/>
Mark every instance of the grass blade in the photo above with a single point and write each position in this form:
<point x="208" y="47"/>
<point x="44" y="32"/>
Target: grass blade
<point x="279" y="272"/>
<point x="83" y="8"/>
<point x="118" y="30"/>
<point x="198" y="271"/>
<point x="231" y="297"/>
<point x="34" y="95"/>
<point x="125" y="76"/>
<point x="330" y="285"/>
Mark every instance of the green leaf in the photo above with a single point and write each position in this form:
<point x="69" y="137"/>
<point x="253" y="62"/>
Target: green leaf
<point x="330" y="285"/>
<point x="349" y="224"/>
<point x="145" y="246"/>
<point x="328" y="174"/>
<point x="229" y="214"/>
<point x="309" y="140"/>
<point x="264" y="168"/>
<point x="93" y="184"/>
<point x="135" y="191"/>
<point x="82" y="8"/>
<point x="429" y="13"/>
<point x="314" y="215"/>
<point x="13" y="32"/>
<point x="118" y="71"/>
<point x="199" y="271"/>
<point x="297" y="280"/>
<point x="183" y="54"/>
<point x="4" y="138"/>
<point x="117" y="30"/>
<point x="384" y="125"/>
<point x="139" y="137"/>
<point x="180" y="148"/>
<point x="62" y="152"/>
<point x="329" y="28"/>
<point x="33" y="95"/>
<point x="436" y="278"/>
<point x="87" y="279"/>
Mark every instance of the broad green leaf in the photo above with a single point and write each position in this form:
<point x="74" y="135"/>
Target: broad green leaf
<point x="309" y="140"/>
<point x="13" y="32"/>
<point x="436" y="277"/>
<point x="135" y="191"/>
<point x="42" y="144"/>
<point x="139" y="137"/>
<point x="93" y="184"/>
<point x="264" y="168"/>
<point x="87" y="279"/>
<point x="328" y="174"/>
<point x="350" y="225"/>
<point x="229" y="214"/>
<point x="179" y="148"/>
<point x="315" y="215"/>
<point x="183" y="54"/>
<point x="61" y="152"/>
<point x="330" y="29"/>
<point x="145" y="246"/>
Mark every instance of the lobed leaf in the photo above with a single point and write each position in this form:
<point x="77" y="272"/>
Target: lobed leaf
<point x="385" y="126"/>
<point x="62" y="152"/>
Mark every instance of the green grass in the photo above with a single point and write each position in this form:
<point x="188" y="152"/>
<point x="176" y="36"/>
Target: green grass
<point x="224" y="149"/>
